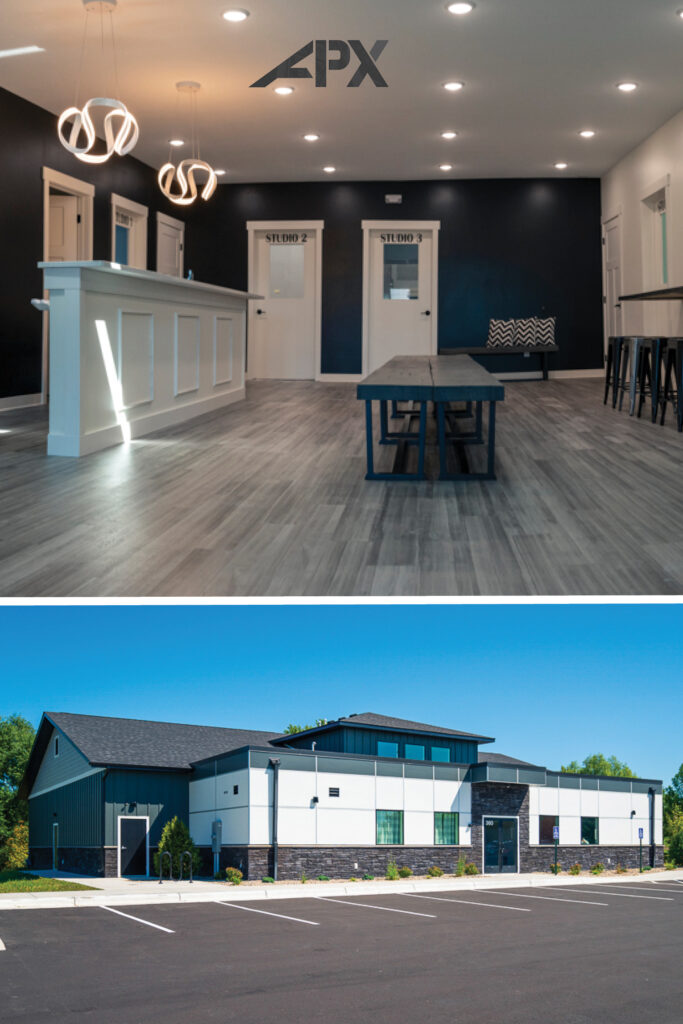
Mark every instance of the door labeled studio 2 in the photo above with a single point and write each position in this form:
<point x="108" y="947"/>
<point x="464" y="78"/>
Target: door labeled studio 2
<point x="400" y="275"/>
<point x="285" y="268"/>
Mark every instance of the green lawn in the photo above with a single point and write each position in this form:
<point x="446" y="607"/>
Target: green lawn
<point x="21" y="881"/>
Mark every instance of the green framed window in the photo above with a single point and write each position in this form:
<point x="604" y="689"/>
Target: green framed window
<point x="446" y="828"/>
<point x="385" y="749"/>
<point x="441" y="754"/>
<point x="590" y="834"/>
<point x="390" y="828"/>
<point x="546" y="823"/>
<point x="415" y="752"/>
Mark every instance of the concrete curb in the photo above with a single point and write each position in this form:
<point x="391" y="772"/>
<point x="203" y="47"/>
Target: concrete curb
<point x="184" y="892"/>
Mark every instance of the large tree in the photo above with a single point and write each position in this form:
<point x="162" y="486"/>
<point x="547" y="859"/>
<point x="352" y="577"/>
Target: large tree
<point x="16" y="740"/>
<point x="673" y="806"/>
<point x="598" y="764"/>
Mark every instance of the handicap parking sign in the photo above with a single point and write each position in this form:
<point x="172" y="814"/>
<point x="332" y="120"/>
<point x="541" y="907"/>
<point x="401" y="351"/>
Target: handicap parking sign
<point x="556" y="831"/>
<point x="641" y="833"/>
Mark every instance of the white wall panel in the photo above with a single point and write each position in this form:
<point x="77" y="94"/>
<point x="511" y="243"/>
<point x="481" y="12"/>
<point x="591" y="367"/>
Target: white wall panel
<point x="296" y="825"/>
<point x="533" y="799"/>
<point x="136" y="358"/>
<point x="548" y="801"/>
<point x="570" y="831"/>
<point x="389" y="794"/>
<point x="615" y="831"/>
<point x="419" y="794"/>
<point x="296" y="789"/>
<point x="260" y="786"/>
<point x="223" y="343"/>
<point x="187" y="334"/>
<point x="533" y="829"/>
<point x="418" y="828"/>
<point x="447" y="795"/>
<point x="614" y="805"/>
<point x="260" y="820"/>
<point x="346" y="827"/>
<point x="354" y="790"/>
<point x="235" y="826"/>
<point x="465" y="798"/>
<point x="570" y="801"/>
<point x="590" y="803"/>
<point x="465" y="834"/>
<point x="202" y="794"/>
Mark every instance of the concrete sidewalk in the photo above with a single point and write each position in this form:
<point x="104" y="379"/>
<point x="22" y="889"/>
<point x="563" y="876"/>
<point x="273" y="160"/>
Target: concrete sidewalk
<point x="121" y="892"/>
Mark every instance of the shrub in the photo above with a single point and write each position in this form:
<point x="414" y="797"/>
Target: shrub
<point x="621" y="870"/>
<point x="555" y="868"/>
<point x="460" y="867"/>
<point x="15" y="852"/>
<point x="323" y="878"/>
<point x="267" y="879"/>
<point x="668" y="866"/>
<point x="353" y="879"/>
<point x="676" y="847"/>
<point x="575" y="869"/>
<point x="233" y="875"/>
<point x="368" y="878"/>
<point x="405" y="872"/>
<point x="304" y="877"/>
<point x="175" y="839"/>
<point x="435" y="871"/>
<point x="597" y="869"/>
<point x="471" y="868"/>
<point x="392" y="871"/>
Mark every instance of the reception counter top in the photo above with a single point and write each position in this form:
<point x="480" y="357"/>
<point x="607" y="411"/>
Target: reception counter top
<point x="133" y="351"/>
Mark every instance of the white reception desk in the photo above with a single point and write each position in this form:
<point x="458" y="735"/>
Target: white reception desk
<point x="132" y="351"/>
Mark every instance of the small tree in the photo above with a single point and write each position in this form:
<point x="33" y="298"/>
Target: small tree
<point x="175" y="839"/>
<point x="15" y="853"/>
<point x="292" y="728"/>
<point x="676" y="847"/>
<point x="598" y="764"/>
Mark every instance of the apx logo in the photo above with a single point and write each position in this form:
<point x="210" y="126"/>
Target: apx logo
<point x="367" y="63"/>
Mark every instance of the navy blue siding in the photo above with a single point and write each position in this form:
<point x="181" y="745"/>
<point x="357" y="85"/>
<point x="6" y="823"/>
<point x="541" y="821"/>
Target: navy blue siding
<point x="158" y="795"/>
<point x="349" y="740"/>
<point x="77" y="807"/>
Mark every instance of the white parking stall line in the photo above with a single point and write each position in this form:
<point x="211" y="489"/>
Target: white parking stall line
<point x="150" y="924"/>
<point x="555" y="899"/>
<point x="624" y="895"/>
<point x="372" y="906"/>
<point x="639" y="888"/>
<point x="679" y="892"/>
<point x="268" y="913"/>
<point x="468" y="903"/>
<point x="2" y="946"/>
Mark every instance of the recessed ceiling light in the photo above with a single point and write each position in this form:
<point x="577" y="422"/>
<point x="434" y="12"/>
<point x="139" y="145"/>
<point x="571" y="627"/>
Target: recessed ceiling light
<point x="446" y="167"/>
<point x="680" y="13"/>
<point x="460" y="8"/>
<point x="284" y="90"/>
<point x="311" y="137"/>
<point x="20" y="51"/>
<point x="448" y="135"/>
<point x="561" y="166"/>
<point x="176" y="142"/>
<point x="219" y="174"/>
<point x="454" y="86"/>
<point x="236" y="14"/>
<point x="627" y="86"/>
<point x="588" y="133"/>
<point x="329" y="170"/>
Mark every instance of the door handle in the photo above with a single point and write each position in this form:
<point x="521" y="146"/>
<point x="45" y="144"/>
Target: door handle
<point x="259" y="312"/>
<point x="426" y="312"/>
<point x="617" y="305"/>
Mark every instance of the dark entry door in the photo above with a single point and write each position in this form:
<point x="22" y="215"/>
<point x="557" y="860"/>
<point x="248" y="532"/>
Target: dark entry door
<point x="500" y="845"/>
<point x="133" y="846"/>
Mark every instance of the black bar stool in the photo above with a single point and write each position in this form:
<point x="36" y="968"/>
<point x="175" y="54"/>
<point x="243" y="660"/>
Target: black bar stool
<point x="614" y="348"/>
<point x="629" y="369"/>
<point x="672" y="388"/>
<point x="650" y="373"/>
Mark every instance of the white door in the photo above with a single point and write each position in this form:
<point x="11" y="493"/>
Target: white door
<point x="612" y="250"/>
<point x="284" y="326"/>
<point x="63" y="228"/>
<point x="170" y="245"/>
<point x="400" y="291"/>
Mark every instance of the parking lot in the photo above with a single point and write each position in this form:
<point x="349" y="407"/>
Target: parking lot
<point x="602" y="953"/>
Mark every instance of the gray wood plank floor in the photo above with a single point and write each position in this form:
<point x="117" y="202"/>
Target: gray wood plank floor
<point x="268" y="498"/>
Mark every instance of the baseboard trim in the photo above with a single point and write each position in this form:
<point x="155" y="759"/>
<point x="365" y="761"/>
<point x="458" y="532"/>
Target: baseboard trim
<point x="339" y="378"/>
<point x="20" y="401"/>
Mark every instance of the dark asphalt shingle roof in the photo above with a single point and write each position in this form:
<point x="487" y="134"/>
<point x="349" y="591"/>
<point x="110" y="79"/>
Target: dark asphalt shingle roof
<point x="490" y="755"/>
<point x="404" y="725"/>
<point x="136" y="743"/>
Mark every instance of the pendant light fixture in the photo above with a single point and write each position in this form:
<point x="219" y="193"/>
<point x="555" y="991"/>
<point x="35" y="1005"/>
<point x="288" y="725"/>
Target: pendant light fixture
<point x="75" y="127"/>
<point x="184" y="172"/>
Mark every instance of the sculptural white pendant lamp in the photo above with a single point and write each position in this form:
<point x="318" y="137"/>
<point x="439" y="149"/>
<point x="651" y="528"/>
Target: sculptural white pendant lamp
<point x="76" y="128"/>
<point x="183" y="173"/>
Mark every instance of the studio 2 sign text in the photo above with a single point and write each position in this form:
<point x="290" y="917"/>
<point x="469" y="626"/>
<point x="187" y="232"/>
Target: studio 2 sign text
<point x="401" y="237"/>
<point x="330" y="55"/>
<point x="287" y="238"/>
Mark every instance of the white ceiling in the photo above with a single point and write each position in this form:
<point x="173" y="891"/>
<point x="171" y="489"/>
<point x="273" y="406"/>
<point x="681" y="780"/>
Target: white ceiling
<point x="536" y="72"/>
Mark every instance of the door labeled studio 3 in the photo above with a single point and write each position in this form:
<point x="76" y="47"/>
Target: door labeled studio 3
<point x="285" y="268"/>
<point x="400" y="273"/>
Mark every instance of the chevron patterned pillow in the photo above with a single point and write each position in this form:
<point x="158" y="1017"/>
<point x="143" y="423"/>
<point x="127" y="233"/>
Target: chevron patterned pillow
<point x="501" y="334"/>
<point x="525" y="331"/>
<point x="545" y="330"/>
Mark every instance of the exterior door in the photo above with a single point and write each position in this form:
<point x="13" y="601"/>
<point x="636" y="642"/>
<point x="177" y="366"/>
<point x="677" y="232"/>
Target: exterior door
<point x="63" y="229"/>
<point x="612" y="249"/>
<point x="133" y="846"/>
<point x="170" y="245"/>
<point x="284" y="325"/>
<point x="500" y="845"/>
<point x="400" y="284"/>
<point x="55" y="846"/>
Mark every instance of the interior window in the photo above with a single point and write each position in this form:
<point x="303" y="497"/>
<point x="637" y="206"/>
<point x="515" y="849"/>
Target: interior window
<point x="400" y="271"/>
<point x="385" y="749"/>
<point x="287" y="271"/>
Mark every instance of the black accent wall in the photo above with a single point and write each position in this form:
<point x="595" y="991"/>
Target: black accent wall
<point x="508" y="248"/>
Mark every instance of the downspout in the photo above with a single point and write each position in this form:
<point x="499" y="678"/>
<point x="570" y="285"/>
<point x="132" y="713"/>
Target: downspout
<point x="275" y="765"/>
<point x="653" y="847"/>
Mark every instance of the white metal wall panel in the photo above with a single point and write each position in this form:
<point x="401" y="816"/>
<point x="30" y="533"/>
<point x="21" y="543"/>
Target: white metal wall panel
<point x="570" y="831"/>
<point x="260" y="822"/>
<point x="419" y="795"/>
<point x="549" y="801"/>
<point x="354" y="790"/>
<point x="570" y="801"/>
<point x="590" y="803"/>
<point x="389" y="794"/>
<point x="346" y="827"/>
<point x="235" y="825"/>
<point x="448" y="794"/>
<point x="418" y="828"/>
<point x="260" y="786"/>
<point x="533" y="800"/>
<point x="614" y="805"/>
<point x="465" y="798"/>
<point x="296" y="825"/>
<point x="202" y="794"/>
<point x="296" y="789"/>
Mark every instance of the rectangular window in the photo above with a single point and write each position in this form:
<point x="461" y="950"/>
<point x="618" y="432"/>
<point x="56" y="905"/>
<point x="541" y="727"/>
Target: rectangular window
<point x="546" y="823"/>
<point x="441" y="754"/>
<point x="589" y="832"/>
<point x="287" y="271"/>
<point x="446" y="828"/>
<point x="389" y="828"/>
<point x="334" y="790"/>
<point x="56" y="746"/>
<point x="121" y="245"/>
<point x="235" y="790"/>
<point x="385" y="749"/>
<point x="401" y="271"/>
<point x="415" y="752"/>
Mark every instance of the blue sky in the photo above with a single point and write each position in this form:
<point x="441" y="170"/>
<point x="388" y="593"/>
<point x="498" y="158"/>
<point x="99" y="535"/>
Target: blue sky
<point x="551" y="683"/>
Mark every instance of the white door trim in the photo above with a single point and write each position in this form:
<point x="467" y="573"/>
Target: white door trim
<point x="85" y="193"/>
<point x="616" y="215"/>
<point x="315" y="227"/>
<point x="400" y="225"/>
<point x="135" y="817"/>
<point x="510" y="817"/>
<point x="172" y="222"/>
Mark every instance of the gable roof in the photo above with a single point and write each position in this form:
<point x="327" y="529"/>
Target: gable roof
<point x="137" y="743"/>
<point x="371" y="720"/>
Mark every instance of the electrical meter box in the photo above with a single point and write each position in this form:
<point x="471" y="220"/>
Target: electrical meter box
<point x="216" y="836"/>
